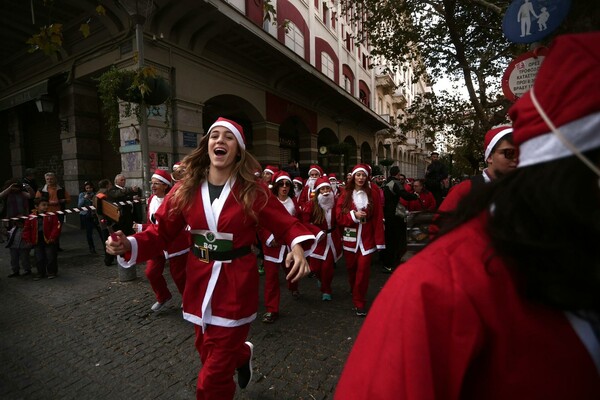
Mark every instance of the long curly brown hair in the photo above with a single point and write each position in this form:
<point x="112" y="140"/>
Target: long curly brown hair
<point x="197" y="164"/>
<point x="350" y="186"/>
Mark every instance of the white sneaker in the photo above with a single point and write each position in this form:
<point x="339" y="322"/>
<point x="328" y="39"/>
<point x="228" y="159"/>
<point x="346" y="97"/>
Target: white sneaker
<point x="156" y="307"/>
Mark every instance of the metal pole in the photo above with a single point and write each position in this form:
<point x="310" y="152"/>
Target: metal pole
<point x="139" y="36"/>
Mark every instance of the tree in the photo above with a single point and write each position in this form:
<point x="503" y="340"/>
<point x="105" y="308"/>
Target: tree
<point x="452" y="39"/>
<point x="460" y="40"/>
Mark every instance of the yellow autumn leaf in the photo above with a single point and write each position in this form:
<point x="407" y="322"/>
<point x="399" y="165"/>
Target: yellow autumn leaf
<point x="100" y="10"/>
<point x="85" y="30"/>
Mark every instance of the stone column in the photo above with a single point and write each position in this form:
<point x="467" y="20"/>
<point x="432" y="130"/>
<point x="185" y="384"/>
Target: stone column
<point x="265" y="143"/>
<point x="80" y="135"/>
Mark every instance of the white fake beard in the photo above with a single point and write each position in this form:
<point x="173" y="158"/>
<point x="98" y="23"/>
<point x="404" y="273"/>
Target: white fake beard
<point x="326" y="201"/>
<point x="334" y="186"/>
<point x="361" y="200"/>
<point x="311" y="183"/>
<point x="289" y="206"/>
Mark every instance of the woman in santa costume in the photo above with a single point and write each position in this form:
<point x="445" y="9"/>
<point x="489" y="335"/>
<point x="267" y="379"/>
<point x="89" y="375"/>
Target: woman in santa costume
<point x="176" y="252"/>
<point x="320" y="212"/>
<point x="505" y="303"/>
<point x="359" y="212"/>
<point x="223" y="205"/>
<point x="274" y="252"/>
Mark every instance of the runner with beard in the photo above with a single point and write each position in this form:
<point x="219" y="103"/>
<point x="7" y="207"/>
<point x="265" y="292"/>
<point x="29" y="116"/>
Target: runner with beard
<point x="360" y="213"/>
<point x="335" y="186"/>
<point x="320" y="212"/>
<point x="314" y="173"/>
<point x="298" y="186"/>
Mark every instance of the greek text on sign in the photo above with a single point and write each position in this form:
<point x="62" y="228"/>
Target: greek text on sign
<point x="520" y="74"/>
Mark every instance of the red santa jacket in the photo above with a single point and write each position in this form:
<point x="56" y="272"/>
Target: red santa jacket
<point x="368" y="236"/>
<point x="332" y="243"/>
<point x="51" y="229"/>
<point x="272" y="252"/>
<point x="223" y="293"/>
<point x="462" y="330"/>
<point x="425" y="202"/>
<point x="182" y="242"/>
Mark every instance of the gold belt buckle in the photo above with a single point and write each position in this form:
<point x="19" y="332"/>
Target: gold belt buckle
<point x="203" y="256"/>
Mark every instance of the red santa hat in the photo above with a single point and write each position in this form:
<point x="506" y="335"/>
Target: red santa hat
<point x="332" y="177"/>
<point x="281" y="175"/>
<point x="315" y="167"/>
<point x="298" y="180"/>
<point x="321" y="182"/>
<point x="162" y="176"/>
<point x="493" y="136"/>
<point x="234" y="127"/>
<point x="567" y="93"/>
<point x="361" y="168"/>
<point x="271" y="169"/>
<point x="176" y="166"/>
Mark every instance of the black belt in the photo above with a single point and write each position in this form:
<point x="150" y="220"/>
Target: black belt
<point x="330" y="230"/>
<point x="207" y="255"/>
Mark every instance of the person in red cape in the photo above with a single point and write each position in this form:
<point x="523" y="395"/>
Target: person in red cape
<point x="320" y="212"/>
<point x="222" y="204"/>
<point x="359" y="212"/>
<point x="314" y="172"/>
<point x="274" y="252"/>
<point x="505" y="303"/>
<point x="176" y="253"/>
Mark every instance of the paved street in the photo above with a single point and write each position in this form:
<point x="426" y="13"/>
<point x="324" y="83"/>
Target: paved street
<point x="85" y="335"/>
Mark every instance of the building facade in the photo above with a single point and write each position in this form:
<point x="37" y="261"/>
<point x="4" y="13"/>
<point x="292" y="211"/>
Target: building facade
<point x="298" y="84"/>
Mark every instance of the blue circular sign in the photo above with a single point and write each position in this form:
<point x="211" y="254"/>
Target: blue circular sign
<point x="528" y="21"/>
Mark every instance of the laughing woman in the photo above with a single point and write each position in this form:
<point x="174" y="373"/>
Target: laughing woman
<point x="223" y="205"/>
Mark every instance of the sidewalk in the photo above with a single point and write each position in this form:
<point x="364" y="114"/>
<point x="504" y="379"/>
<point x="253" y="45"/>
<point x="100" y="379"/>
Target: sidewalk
<point x="85" y="335"/>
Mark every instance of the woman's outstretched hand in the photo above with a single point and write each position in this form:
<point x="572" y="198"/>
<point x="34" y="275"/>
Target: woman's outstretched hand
<point x="119" y="246"/>
<point x="298" y="264"/>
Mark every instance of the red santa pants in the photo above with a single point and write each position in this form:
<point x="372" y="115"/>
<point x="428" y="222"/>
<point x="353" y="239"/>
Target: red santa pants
<point x="222" y="351"/>
<point x="272" y="291"/>
<point x="155" y="268"/>
<point x="359" y="271"/>
<point x="324" y="271"/>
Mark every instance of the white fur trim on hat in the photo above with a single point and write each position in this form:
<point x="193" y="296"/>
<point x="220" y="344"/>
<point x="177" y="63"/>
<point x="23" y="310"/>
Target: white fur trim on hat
<point x="323" y="184"/>
<point x="282" y="177"/>
<point x="360" y="169"/>
<point x="582" y="133"/>
<point x="495" y="140"/>
<point x="162" y="179"/>
<point x="233" y="129"/>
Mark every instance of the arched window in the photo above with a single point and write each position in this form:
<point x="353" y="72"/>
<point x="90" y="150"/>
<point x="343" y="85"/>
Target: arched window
<point x="327" y="66"/>
<point x="294" y="39"/>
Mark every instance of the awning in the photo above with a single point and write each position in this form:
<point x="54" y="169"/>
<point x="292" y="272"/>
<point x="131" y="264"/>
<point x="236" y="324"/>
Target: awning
<point x="30" y="93"/>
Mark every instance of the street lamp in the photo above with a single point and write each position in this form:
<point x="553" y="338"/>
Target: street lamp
<point x="132" y="7"/>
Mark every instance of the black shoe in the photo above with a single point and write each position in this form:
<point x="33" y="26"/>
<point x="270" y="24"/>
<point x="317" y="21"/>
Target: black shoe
<point x="14" y="275"/>
<point x="360" y="312"/>
<point x="26" y="273"/>
<point x="108" y="260"/>
<point x="245" y="371"/>
<point x="270" y="317"/>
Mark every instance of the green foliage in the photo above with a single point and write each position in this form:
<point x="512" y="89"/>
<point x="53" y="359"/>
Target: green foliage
<point x="456" y="40"/>
<point x="131" y="86"/>
<point x="49" y="40"/>
<point x="386" y="162"/>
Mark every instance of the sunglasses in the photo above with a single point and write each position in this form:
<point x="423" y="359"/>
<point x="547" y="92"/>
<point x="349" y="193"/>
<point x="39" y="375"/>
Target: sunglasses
<point x="285" y="184"/>
<point x="509" y="154"/>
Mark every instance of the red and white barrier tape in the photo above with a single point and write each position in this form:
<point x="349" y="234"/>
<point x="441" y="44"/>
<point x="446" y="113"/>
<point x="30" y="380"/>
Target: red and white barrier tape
<point x="74" y="210"/>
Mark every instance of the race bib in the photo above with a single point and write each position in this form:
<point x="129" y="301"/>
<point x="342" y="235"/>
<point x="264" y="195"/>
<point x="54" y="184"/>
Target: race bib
<point x="349" y="234"/>
<point x="213" y="241"/>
